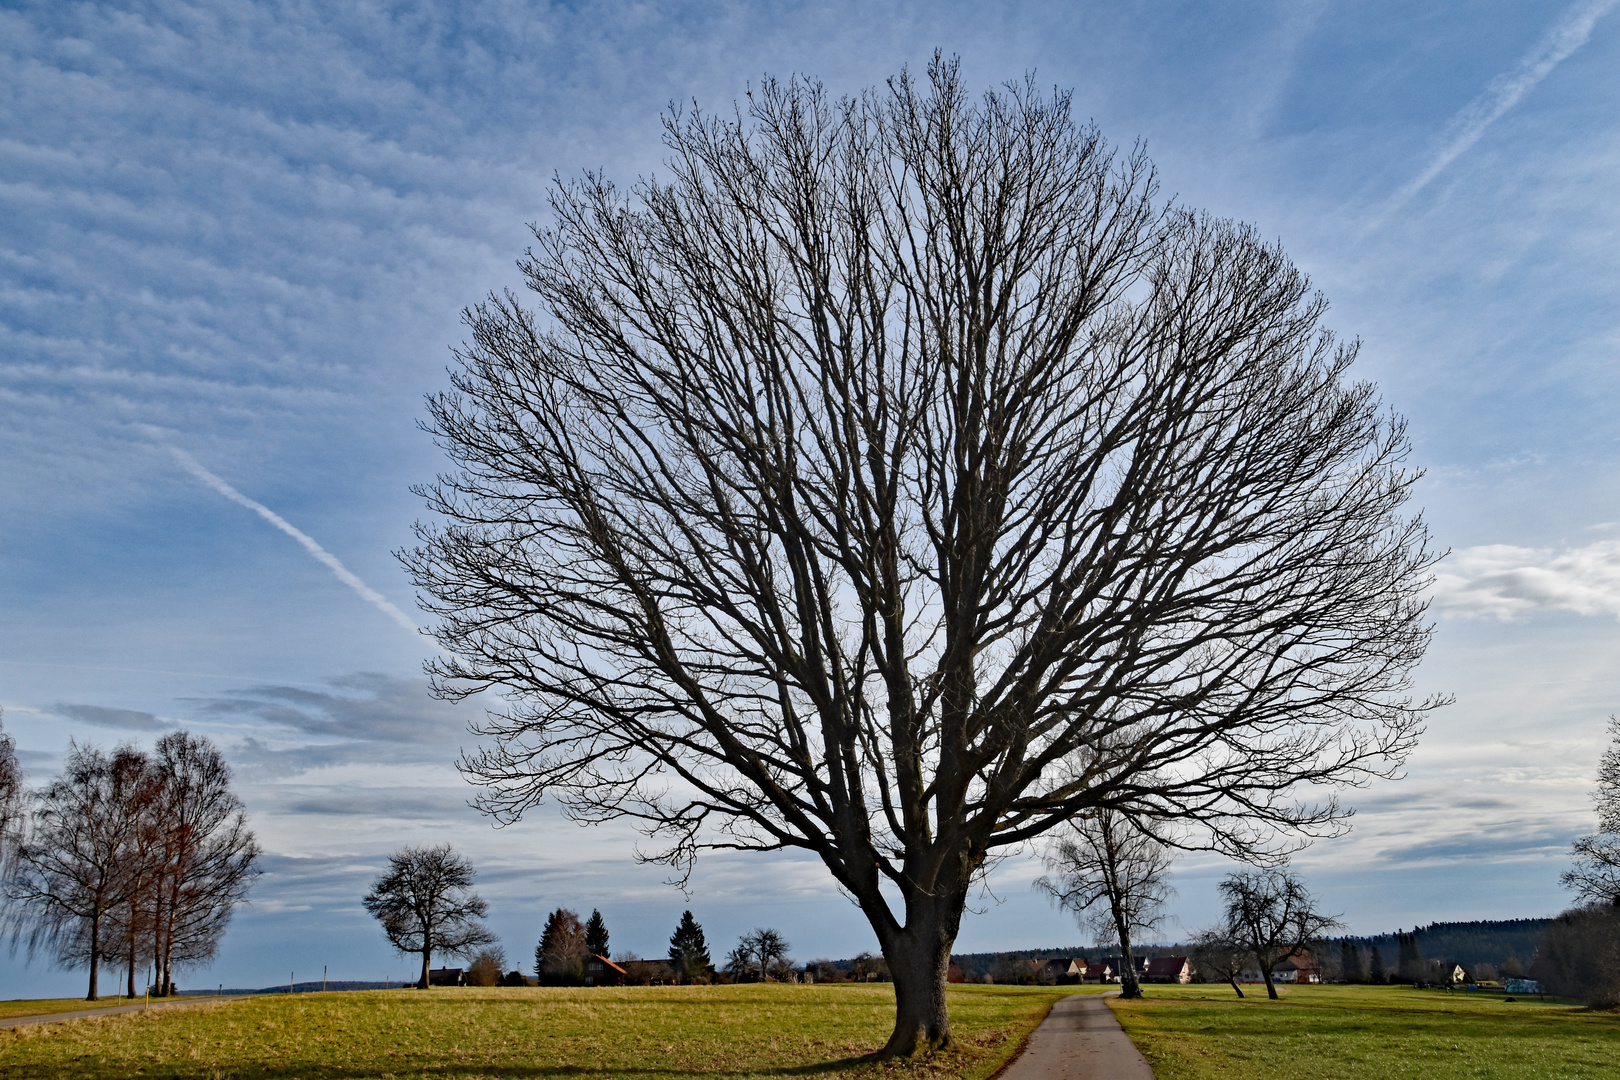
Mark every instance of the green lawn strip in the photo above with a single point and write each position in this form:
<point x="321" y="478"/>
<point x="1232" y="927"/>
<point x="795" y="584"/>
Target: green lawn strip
<point x="643" y="1032"/>
<point x="1366" y="1033"/>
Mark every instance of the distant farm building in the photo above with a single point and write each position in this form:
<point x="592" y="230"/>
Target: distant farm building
<point x="1168" y="969"/>
<point x="1301" y="967"/>
<point x="1060" y="969"/>
<point x="447" y="977"/>
<point x="600" y="971"/>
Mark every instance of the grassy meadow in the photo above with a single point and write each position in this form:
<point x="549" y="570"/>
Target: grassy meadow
<point x="649" y="1033"/>
<point x="1366" y="1033"/>
<point x="675" y="1033"/>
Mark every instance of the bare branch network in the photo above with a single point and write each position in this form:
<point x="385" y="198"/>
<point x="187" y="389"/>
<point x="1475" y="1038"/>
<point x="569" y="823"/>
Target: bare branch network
<point x="896" y="480"/>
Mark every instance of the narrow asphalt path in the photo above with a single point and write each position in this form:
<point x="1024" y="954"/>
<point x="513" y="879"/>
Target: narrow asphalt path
<point x="1079" y="1040"/>
<point x="106" y="1010"/>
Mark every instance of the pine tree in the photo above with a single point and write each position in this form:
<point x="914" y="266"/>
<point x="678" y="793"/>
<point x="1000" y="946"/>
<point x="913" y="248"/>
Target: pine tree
<point x="1375" y="970"/>
<point x="1350" y="962"/>
<point x="1411" y="965"/>
<point x="596" y="935"/>
<point x="688" y="952"/>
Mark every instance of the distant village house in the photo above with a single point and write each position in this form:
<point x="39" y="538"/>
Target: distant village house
<point x="600" y="971"/>
<point x="1301" y="967"/>
<point x="1168" y="969"/>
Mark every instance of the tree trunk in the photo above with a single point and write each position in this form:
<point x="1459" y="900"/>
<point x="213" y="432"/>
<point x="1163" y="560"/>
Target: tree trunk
<point x="921" y="1022"/>
<point x="157" y="934"/>
<point x="1235" y="986"/>
<point x="95" y="953"/>
<point x="1129" y="986"/>
<point x="166" y="957"/>
<point x="133" y="936"/>
<point x="427" y="956"/>
<point x="919" y="958"/>
<point x="131" y="986"/>
<point x="1271" y="987"/>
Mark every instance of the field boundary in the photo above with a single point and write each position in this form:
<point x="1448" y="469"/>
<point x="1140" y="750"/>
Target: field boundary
<point x="107" y="1010"/>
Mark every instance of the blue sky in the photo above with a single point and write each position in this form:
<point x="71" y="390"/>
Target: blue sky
<point x="235" y="239"/>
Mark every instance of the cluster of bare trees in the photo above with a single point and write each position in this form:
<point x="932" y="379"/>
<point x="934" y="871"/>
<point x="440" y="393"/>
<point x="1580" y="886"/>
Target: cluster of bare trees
<point x="128" y="858"/>
<point x="1580" y="953"/>
<point x="1269" y="916"/>
<point x="1595" y="875"/>
<point x="759" y="955"/>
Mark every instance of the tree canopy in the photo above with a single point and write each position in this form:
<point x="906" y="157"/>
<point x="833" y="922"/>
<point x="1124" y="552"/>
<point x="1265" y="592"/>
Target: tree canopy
<point x="896" y="479"/>
<point x="425" y="903"/>
<point x="1595" y="875"/>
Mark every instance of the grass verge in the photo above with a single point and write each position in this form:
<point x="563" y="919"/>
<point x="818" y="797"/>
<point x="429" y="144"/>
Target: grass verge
<point x="649" y="1033"/>
<point x="26" y="1007"/>
<point x="1366" y="1033"/>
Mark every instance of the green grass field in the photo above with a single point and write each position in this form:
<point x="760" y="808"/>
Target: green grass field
<point x="649" y="1033"/>
<point x="1367" y="1033"/>
<point x="676" y="1033"/>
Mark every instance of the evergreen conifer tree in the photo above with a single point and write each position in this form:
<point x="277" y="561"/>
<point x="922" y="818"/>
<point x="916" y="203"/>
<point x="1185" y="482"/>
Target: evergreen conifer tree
<point x="688" y="952"/>
<point x="596" y="935"/>
<point x="1411" y="965"/>
<point x="1375" y="970"/>
<point x="1351" y="964"/>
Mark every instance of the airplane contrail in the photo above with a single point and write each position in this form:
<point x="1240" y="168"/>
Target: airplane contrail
<point x="1568" y="34"/>
<point x="326" y="558"/>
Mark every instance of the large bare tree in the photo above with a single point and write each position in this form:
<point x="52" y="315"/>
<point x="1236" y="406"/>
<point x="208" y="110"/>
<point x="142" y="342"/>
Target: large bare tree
<point x="897" y="480"/>
<point x="206" y="856"/>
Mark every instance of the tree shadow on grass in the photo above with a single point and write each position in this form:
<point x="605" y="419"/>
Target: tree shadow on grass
<point x="507" y="1071"/>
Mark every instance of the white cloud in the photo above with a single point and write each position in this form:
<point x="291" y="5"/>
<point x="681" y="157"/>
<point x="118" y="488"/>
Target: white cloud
<point x="1502" y="581"/>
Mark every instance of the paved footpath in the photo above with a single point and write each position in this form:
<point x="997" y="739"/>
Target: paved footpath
<point x="1079" y="1040"/>
<point x="111" y="1010"/>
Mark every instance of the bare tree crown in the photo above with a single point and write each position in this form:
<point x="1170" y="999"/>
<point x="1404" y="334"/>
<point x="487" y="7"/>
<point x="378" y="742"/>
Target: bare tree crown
<point x="896" y="480"/>
<point x="425" y="903"/>
<point x="1595" y="875"/>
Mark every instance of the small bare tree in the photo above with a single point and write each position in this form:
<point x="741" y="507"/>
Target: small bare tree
<point x="1595" y="877"/>
<point x="897" y="481"/>
<point x="13" y="810"/>
<point x="760" y="954"/>
<point x="1103" y="867"/>
<point x="1216" y="956"/>
<point x="426" y="904"/>
<point x="488" y="967"/>
<point x="1272" y="916"/>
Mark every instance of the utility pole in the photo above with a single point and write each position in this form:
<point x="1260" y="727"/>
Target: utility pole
<point x="323" y="978"/>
